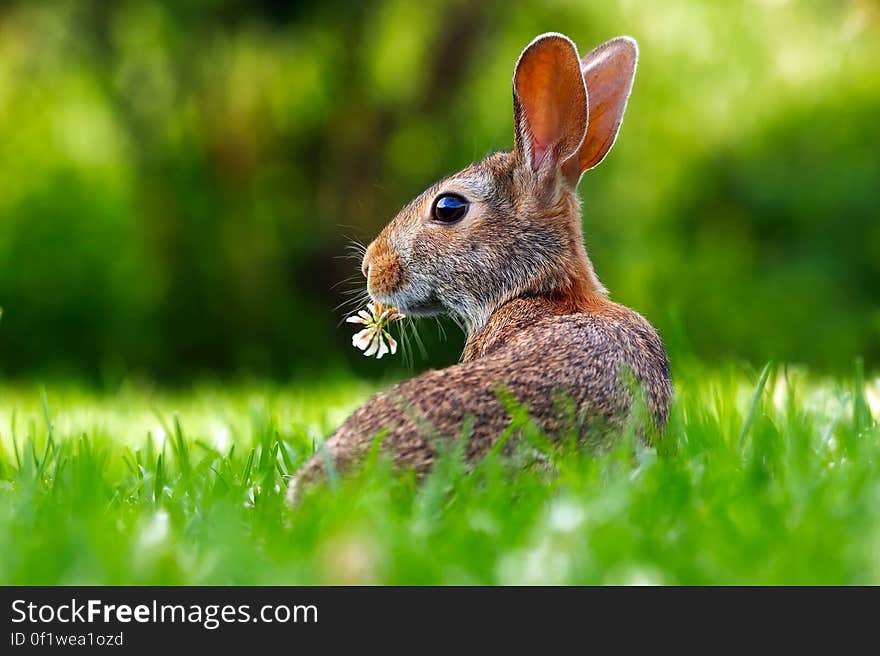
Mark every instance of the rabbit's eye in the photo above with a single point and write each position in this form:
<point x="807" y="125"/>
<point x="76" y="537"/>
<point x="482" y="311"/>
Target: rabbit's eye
<point x="449" y="208"/>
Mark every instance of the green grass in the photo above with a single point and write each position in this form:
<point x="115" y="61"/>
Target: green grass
<point x="759" y="479"/>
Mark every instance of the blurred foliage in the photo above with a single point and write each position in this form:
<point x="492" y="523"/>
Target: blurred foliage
<point x="181" y="178"/>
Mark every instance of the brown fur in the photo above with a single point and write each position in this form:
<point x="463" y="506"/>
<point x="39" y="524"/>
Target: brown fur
<point x="515" y="274"/>
<point x="382" y="265"/>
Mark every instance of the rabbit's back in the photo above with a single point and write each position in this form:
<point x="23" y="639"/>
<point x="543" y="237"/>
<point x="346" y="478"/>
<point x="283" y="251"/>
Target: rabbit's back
<point x="552" y="365"/>
<point x="592" y="357"/>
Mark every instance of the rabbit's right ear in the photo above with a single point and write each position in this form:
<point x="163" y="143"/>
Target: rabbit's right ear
<point x="549" y="105"/>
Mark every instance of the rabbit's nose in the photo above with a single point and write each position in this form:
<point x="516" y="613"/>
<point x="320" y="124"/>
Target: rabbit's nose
<point x="381" y="267"/>
<point x="369" y="257"/>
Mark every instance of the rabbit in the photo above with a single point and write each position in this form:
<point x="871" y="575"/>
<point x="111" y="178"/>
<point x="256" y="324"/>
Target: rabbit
<point x="499" y="247"/>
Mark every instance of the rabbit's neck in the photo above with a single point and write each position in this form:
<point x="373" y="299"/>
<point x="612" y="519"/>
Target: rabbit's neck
<point x="574" y="289"/>
<point x="522" y="313"/>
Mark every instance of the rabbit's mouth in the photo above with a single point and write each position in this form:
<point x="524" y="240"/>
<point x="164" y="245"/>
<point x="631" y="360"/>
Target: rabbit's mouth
<point x="411" y="305"/>
<point x="424" y="309"/>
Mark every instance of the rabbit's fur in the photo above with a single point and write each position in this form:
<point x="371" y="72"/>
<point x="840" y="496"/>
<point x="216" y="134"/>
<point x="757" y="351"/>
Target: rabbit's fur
<point x="514" y="272"/>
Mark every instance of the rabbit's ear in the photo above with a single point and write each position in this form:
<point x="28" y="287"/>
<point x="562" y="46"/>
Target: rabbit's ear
<point x="550" y="103"/>
<point x="608" y="72"/>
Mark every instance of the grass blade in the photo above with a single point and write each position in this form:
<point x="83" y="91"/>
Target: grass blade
<point x="861" y="410"/>
<point x="756" y="399"/>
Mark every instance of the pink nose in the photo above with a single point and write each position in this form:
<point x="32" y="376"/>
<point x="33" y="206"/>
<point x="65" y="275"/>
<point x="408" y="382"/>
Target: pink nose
<point x="381" y="267"/>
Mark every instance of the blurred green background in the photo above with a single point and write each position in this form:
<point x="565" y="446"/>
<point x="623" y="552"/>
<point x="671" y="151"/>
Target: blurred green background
<point x="180" y="178"/>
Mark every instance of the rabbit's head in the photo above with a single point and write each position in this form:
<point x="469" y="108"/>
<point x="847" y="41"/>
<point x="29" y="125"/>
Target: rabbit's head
<point x="509" y="226"/>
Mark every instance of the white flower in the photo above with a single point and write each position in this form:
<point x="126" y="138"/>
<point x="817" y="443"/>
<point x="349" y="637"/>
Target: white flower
<point x="374" y="339"/>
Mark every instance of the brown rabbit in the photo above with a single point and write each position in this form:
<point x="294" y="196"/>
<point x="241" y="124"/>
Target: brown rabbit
<point x="499" y="247"/>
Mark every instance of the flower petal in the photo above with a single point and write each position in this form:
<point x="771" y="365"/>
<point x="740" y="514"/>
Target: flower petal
<point x="362" y="339"/>
<point x="374" y="346"/>
<point x="392" y="343"/>
<point x="355" y="319"/>
<point x="383" y="349"/>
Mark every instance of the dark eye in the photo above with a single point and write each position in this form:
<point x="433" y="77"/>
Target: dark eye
<point x="449" y="208"/>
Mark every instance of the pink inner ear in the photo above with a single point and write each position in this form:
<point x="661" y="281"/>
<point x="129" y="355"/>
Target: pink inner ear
<point x="538" y="153"/>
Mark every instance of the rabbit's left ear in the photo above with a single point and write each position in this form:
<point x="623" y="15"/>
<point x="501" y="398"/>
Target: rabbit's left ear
<point x="549" y="104"/>
<point x="608" y="71"/>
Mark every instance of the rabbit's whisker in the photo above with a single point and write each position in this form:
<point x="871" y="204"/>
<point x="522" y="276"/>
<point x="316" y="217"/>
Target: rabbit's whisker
<point x="349" y="292"/>
<point x="352" y="303"/>
<point x="345" y="281"/>
<point x="418" y="339"/>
